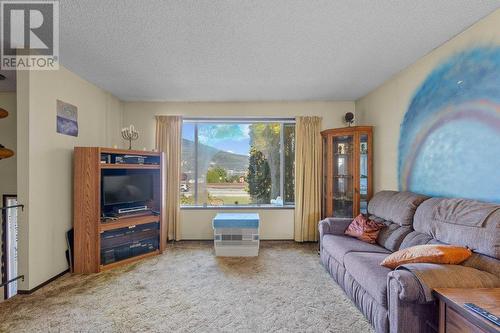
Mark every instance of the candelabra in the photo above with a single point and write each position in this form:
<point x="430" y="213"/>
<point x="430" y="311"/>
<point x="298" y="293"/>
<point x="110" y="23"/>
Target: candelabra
<point x="130" y="134"/>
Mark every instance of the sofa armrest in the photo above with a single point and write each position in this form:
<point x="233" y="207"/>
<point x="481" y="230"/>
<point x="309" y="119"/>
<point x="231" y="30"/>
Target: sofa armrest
<point x="408" y="311"/>
<point x="333" y="226"/>
<point x="405" y="285"/>
<point x="432" y="276"/>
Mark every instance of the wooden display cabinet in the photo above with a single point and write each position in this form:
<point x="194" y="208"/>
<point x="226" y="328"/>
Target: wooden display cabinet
<point x="90" y="164"/>
<point x="347" y="171"/>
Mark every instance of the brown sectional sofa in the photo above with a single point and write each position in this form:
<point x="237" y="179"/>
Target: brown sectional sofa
<point x="401" y="300"/>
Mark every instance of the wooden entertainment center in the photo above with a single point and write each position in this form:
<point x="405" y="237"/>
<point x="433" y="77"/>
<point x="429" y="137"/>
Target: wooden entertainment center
<point x="102" y="240"/>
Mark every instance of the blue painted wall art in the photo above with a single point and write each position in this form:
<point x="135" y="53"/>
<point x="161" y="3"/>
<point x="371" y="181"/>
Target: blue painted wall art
<point x="449" y="141"/>
<point x="67" y="118"/>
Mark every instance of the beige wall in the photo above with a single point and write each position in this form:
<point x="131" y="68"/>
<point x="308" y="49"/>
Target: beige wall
<point x="45" y="165"/>
<point x="142" y="114"/>
<point x="196" y="224"/>
<point x="275" y="224"/>
<point x="385" y="107"/>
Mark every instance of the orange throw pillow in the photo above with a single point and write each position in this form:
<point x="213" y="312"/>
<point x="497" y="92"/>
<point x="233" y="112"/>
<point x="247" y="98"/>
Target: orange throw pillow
<point x="432" y="254"/>
<point x="364" y="229"/>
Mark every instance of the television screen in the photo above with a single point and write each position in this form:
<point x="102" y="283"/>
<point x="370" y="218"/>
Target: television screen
<point x="127" y="189"/>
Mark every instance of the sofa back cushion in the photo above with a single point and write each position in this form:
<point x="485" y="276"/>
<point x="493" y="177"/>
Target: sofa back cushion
<point x="477" y="261"/>
<point x="484" y="263"/>
<point x="459" y="226"/>
<point x="392" y="236"/>
<point x="415" y="238"/>
<point x="394" y="206"/>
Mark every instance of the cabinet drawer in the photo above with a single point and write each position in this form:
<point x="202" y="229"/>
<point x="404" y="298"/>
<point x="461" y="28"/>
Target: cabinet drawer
<point x="455" y="323"/>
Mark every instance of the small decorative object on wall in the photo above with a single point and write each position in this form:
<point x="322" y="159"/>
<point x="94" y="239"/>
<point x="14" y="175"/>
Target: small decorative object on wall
<point x="67" y="118"/>
<point x="5" y="152"/>
<point x="130" y="134"/>
<point x="349" y="118"/>
<point x="3" y="113"/>
<point x="450" y="134"/>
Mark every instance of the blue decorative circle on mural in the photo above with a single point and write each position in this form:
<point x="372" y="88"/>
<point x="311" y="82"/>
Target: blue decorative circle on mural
<point x="449" y="141"/>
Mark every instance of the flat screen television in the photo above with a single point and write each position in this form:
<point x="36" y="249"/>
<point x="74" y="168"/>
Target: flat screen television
<point x="126" y="190"/>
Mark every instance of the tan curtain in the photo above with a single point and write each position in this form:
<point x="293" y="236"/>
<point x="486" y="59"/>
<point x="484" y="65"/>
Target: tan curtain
<point x="168" y="141"/>
<point x="307" y="178"/>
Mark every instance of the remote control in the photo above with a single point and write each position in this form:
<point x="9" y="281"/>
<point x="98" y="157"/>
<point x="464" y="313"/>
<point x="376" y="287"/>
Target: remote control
<point x="483" y="313"/>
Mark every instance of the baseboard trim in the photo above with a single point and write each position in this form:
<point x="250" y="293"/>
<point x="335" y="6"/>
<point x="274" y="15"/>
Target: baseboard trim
<point x="43" y="284"/>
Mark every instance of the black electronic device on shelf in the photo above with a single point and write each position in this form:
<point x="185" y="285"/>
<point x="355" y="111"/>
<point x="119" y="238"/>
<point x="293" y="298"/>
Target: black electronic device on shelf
<point x="126" y="193"/>
<point x="123" y="243"/>
<point x="130" y="159"/>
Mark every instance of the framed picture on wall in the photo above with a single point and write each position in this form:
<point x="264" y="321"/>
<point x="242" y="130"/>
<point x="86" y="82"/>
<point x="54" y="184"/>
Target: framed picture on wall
<point x="67" y="118"/>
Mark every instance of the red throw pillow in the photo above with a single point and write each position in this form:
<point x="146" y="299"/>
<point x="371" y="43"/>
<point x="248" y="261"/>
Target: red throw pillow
<point x="364" y="229"/>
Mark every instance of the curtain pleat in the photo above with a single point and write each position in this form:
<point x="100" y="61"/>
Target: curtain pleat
<point x="308" y="163"/>
<point x="168" y="141"/>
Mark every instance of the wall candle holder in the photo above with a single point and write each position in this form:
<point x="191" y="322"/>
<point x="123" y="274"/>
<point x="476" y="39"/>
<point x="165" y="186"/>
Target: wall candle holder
<point x="5" y="152"/>
<point x="130" y="134"/>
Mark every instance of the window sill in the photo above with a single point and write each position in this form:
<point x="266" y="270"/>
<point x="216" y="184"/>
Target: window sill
<point x="248" y="207"/>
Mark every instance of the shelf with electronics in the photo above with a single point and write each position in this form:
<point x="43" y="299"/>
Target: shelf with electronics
<point x="118" y="207"/>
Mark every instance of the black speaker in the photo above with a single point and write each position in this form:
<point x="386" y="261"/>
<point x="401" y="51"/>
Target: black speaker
<point x="349" y="118"/>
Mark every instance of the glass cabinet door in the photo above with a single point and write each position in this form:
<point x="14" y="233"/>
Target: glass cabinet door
<point x="347" y="171"/>
<point x="363" y="173"/>
<point x="343" y="184"/>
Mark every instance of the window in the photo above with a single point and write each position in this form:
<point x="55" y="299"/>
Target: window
<point x="237" y="162"/>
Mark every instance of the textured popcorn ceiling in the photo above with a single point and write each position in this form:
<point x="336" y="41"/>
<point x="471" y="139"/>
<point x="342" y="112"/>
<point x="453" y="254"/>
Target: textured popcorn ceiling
<point x="186" y="50"/>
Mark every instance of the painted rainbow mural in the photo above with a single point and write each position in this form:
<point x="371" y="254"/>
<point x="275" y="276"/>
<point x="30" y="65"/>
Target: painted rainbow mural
<point x="449" y="141"/>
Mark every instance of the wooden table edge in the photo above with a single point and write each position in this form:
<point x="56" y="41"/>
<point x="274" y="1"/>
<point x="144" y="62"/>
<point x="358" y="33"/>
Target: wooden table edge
<point x="473" y="317"/>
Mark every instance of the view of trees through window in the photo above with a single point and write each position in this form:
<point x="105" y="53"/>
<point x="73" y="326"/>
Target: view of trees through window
<point x="237" y="163"/>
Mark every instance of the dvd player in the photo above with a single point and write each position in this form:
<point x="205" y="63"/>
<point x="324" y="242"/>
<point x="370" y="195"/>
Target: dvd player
<point x="129" y="250"/>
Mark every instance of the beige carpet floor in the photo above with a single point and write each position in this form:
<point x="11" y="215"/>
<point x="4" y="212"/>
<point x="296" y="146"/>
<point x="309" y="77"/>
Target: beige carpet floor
<point x="188" y="289"/>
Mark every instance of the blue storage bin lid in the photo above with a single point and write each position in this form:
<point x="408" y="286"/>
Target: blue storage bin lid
<point x="236" y="220"/>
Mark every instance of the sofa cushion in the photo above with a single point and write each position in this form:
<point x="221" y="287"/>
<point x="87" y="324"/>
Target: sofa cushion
<point x="375" y="313"/>
<point x="392" y="236"/>
<point x="393" y="206"/>
<point x="415" y="238"/>
<point x="482" y="238"/>
<point x="483" y="263"/>
<point x="366" y="270"/>
<point x="338" y="246"/>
